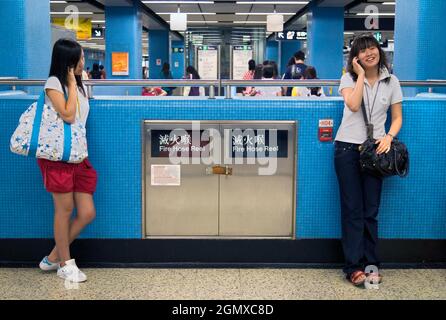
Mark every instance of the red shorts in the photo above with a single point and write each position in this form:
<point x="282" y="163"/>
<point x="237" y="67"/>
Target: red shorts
<point x="63" y="177"/>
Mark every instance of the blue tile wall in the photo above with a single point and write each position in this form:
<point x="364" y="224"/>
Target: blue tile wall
<point x="411" y="208"/>
<point x="158" y="49"/>
<point x="419" y="41"/>
<point x="177" y="57"/>
<point x="326" y="40"/>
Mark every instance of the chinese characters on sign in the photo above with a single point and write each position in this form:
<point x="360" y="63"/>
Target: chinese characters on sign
<point x="291" y="35"/>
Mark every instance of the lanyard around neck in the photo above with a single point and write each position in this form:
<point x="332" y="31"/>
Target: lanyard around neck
<point x="370" y="107"/>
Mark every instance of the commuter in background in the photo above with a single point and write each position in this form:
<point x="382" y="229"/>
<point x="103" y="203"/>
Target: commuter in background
<point x="71" y="184"/>
<point x="258" y="74"/>
<point x="166" y="74"/>
<point x="367" y="80"/>
<point x="268" y="75"/>
<point x="192" y="74"/>
<point x="296" y="70"/>
<point x="96" y="73"/>
<point x="88" y="73"/>
<point x="275" y="69"/>
<point x="249" y="75"/>
<point x="145" y="72"/>
<point x="153" y="91"/>
<point x="103" y="73"/>
<point x="309" y="74"/>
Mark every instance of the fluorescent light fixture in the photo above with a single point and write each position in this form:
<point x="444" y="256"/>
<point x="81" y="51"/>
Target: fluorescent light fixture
<point x="388" y="3"/>
<point x="252" y="22"/>
<point x="375" y="14"/>
<point x="349" y="33"/>
<point x="272" y="2"/>
<point x="58" y="2"/>
<point x="71" y="12"/>
<point x="191" y="13"/>
<point x="203" y="21"/>
<point x="97" y="21"/>
<point x="176" y="2"/>
<point x="263" y="13"/>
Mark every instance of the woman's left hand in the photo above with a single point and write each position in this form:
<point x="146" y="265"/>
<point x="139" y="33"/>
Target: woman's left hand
<point x="384" y="144"/>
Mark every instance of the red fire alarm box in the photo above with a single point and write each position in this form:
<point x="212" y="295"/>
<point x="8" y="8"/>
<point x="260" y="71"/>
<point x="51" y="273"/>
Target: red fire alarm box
<point x="325" y="132"/>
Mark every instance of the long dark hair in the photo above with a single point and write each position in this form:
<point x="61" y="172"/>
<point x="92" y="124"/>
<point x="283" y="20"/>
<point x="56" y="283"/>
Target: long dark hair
<point x="66" y="54"/>
<point x="251" y="65"/>
<point x="310" y="73"/>
<point x="258" y="72"/>
<point x="361" y="42"/>
<point x="191" y="70"/>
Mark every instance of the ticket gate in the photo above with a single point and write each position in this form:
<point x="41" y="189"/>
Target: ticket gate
<point x="219" y="179"/>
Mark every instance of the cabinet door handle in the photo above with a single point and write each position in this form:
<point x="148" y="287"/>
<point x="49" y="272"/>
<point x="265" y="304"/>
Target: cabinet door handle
<point x="226" y="170"/>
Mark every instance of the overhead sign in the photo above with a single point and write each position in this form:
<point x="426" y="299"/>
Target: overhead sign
<point x="378" y="36"/>
<point x="97" y="33"/>
<point x="177" y="50"/>
<point x="274" y="22"/>
<point x="240" y="57"/>
<point x="291" y="35"/>
<point x="207" y="62"/>
<point x="82" y="26"/>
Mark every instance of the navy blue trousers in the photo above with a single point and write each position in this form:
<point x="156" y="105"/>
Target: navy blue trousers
<point x="360" y="197"/>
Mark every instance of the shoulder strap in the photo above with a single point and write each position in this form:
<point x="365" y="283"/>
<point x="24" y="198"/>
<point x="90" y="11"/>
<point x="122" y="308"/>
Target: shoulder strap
<point x="368" y="126"/>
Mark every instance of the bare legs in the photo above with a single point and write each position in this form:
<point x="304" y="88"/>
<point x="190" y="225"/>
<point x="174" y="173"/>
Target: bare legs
<point x="66" y="231"/>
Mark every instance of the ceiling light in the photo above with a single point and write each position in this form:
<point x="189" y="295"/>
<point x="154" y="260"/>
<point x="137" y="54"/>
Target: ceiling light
<point x="203" y="21"/>
<point x="262" y="14"/>
<point x="97" y="21"/>
<point x="388" y="3"/>
<point x="176" y="2"/>
<point x="375" y="14"/>
<point x="272" y="2"/>
<point x="191" y="13"/>
<point x="252" y="22"/>
<point x="71" y="12"/>
<point x="58" y="2"/>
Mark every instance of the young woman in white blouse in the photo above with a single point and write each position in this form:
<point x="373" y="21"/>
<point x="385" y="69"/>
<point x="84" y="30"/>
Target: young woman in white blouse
<point x="367" y="79"/>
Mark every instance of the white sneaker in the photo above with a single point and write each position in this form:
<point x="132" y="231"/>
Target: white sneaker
<point x="47" y="265"/>
<point x="71" y="272"/>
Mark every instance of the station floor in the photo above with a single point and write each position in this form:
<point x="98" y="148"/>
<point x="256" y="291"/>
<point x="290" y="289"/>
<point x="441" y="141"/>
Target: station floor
<point x="221" y="284"/>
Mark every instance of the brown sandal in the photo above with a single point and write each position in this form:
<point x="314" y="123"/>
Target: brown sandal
<point x="357" y="278"/>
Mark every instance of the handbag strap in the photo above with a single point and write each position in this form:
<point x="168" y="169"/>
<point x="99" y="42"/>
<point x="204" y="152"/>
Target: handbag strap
<point x="36" y="131"/>
<point x="368" y="125"/>
<point x="36" y="125"/>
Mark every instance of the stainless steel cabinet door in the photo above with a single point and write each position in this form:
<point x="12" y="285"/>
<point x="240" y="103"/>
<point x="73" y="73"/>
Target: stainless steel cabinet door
<point x="188" y="207"/>
<point x="252" y="204"/>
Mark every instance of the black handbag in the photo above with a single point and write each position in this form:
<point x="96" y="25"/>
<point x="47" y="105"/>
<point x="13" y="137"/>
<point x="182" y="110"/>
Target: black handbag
<point x="394" y="162"/>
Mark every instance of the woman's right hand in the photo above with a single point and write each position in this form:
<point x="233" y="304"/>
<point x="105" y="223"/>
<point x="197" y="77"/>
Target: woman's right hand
<point x="71" y="80"/>
<point x="357" y="68"/>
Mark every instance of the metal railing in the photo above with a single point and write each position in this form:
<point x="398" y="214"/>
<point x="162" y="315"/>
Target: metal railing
<point x="213" y="84"/>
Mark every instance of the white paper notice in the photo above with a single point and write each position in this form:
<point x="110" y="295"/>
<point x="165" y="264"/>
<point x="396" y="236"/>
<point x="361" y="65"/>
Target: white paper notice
<point x="208" y="64"/>
<point x="240" y="59"/>
<point x="165" y="175"/>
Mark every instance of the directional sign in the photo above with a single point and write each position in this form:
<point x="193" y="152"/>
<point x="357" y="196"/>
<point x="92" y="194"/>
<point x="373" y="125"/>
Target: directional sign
<point x="97" y="33"/>
<point x="291" y="35"/>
